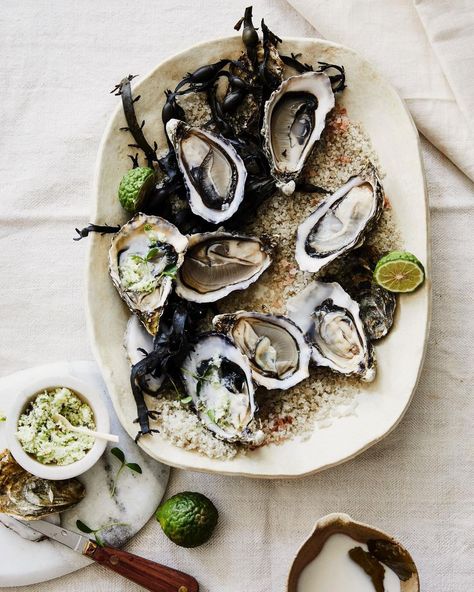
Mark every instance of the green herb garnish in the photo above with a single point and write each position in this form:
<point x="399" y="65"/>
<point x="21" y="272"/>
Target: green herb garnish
<point x="95" y="531"/>
<point x="211" y="415"/>
<point x="170" y="271"/>
<point x="120" y="456"/>
<point x="152" y="253"/>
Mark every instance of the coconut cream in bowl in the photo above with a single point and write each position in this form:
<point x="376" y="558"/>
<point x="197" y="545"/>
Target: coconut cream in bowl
<point x="40" y="444"/>
<point x="342" y="554"/>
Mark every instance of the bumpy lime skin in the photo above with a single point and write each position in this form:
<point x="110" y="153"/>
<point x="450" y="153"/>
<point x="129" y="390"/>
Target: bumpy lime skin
<point x="134" y="186"/>
<point x="188" y="519"/>
<point x="399" y="255"/>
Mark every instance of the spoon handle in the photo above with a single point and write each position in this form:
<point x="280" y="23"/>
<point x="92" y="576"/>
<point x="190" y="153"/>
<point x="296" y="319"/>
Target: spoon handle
<point x="101" y="435"/>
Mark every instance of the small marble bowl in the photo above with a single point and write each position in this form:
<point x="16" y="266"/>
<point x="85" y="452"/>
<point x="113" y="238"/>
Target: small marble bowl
<point x="361" y="533"/>
<point x="89" y="394"/>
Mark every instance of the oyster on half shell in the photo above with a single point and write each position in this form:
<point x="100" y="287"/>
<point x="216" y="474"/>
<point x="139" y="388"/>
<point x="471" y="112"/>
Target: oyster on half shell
<point x="214" y="173"/>
<point x="293" y="121"/>
<point x="144" y="257"/>
<point x="28" y="497"/>
<point x="217" y="377"/>
<point x="277" y="350"/>
<point x="331" y="322"/>
<point x="341" y="221"/>
<point x="218" y="263"/>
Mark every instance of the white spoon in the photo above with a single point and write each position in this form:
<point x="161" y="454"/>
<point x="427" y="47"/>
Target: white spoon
<point x="66" y="424"/>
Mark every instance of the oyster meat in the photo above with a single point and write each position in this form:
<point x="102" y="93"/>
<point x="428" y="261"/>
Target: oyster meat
<point x="30" y="498"/>
<point x="218" y="263"/>
<point x="331" y="321"/>
<point x="214" y="173"/>
<point x="341" y="222"/>
<point x="293" y="121"/>
<point x="144" y="257"/>
<point x="138" y="343"/>
<point x="277" y="350"/>
<point x="217" y="377"/>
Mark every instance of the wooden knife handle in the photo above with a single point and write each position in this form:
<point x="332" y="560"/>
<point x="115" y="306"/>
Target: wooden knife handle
<point x="152" y="576"/>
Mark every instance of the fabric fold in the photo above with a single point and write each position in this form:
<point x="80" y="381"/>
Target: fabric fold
<point x="425" y="48"/>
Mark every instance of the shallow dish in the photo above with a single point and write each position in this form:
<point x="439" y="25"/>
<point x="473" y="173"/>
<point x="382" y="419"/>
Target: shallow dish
<point x="361" y="533"/>
<point x="88" y="394"/>
<point x="380" y="406"/>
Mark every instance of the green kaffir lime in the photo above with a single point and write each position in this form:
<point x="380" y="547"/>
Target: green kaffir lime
<point x="188" y="518"/>
<point x="134" y="187"/>
<point x="399" y="271"/>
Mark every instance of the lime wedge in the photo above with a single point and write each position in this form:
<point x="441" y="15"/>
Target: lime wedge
<point x="399" y="271"/>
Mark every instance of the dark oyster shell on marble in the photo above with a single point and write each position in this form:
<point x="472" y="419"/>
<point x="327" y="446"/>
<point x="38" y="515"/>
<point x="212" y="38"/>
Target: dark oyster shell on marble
<point x="28" y="497"/>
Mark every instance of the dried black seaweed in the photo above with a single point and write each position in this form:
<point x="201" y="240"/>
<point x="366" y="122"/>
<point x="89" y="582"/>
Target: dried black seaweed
<point x="338" y="79"/>
<point x="393" y="556"/>
<point x="249" y="35"/>
<point x="124" y="89"/>
<point x="170" y="345"/>
<point x="104" y="229"/>
<point x="372" y="567"/>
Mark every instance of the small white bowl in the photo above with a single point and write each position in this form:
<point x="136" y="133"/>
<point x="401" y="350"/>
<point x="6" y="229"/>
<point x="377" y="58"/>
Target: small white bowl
<point x="89" y="394"/>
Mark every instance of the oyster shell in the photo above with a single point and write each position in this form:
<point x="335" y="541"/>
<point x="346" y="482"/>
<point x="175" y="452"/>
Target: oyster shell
<point x="331" y="322"/>
<point x="138" y="343"/>
<point x="217" y="377"/>
<point x="213" y="171"/>
<point x="293" y="121"/>
<point x="144" y="257"/>
<point x="387" y="549"/>
<point x="28" y="497"/>
<point x="218" y="263"/>
<point x="377" y="306"/>
<point x="340" y="222"/>
<point x="277" y="350"/>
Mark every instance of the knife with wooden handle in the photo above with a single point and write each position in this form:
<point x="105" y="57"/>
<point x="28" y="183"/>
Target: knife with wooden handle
<point x="148" y="574"/>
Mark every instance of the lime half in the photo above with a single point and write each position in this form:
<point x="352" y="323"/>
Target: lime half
<point x="399" y="271"/>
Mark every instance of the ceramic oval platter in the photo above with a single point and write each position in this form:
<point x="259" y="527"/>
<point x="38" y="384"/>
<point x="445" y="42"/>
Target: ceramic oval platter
<point x="368" y="99"/>
<point x="136" y="498"/>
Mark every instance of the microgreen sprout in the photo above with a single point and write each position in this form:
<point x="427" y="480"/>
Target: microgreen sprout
<point x="95" y="531"/>
<point x="184" y="400"/>
<point x="120" y="456"/>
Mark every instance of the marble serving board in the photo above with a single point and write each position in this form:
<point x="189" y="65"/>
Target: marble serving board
<point x="136" y="498"/>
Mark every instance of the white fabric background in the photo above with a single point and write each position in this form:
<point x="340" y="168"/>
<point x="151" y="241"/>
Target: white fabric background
<point x="59" y="59"/>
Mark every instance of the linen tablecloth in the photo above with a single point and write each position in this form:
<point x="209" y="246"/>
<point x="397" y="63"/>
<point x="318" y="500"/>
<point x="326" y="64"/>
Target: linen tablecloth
<point x="59" y="62"/>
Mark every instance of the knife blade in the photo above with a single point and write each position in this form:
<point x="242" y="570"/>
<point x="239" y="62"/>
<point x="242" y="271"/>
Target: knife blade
<point x="75" y="541"/>
<point x="148" y="574"/>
